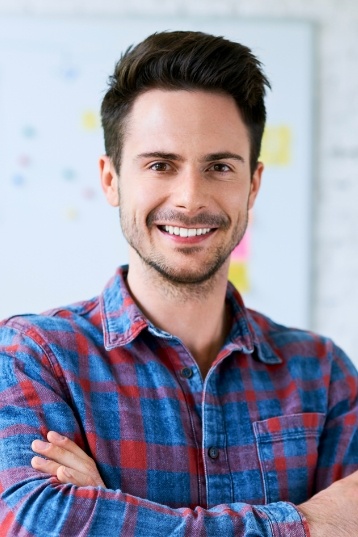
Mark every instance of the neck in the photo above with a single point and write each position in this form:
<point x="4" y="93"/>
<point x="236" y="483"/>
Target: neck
<point x="195" y="313"/>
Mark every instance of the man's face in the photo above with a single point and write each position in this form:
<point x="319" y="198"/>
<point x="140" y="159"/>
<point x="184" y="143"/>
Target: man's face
<point x="184" y="185"/>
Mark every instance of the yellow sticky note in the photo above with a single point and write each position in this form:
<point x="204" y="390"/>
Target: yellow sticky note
<point x="90" y="120"/>
<point x="71" y="213"/>
<point x="239" y="276"/>
<point x="276" y="149"/>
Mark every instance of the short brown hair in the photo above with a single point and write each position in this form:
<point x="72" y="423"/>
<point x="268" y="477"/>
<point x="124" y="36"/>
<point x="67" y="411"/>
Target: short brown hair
<point x="189" y="61"/>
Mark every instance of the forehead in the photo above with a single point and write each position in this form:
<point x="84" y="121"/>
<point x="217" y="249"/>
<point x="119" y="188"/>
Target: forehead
<point x="197" y="118"/>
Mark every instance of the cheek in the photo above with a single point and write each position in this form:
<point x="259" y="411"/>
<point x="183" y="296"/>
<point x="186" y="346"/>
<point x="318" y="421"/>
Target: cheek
<point x="236" y="205"/>
<point x="137" y="204"/>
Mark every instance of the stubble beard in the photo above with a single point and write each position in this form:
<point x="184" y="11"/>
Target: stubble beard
<point x="190" y="283"/>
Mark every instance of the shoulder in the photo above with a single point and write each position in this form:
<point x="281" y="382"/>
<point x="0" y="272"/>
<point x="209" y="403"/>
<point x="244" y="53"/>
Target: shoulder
<point x="51" y="326"/>
<point x="300" y="348"/>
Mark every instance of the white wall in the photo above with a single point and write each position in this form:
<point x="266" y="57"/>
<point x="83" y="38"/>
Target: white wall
<point x="335" y="234"/>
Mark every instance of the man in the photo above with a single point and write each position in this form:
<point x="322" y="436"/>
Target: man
<point x="164" y="407"/>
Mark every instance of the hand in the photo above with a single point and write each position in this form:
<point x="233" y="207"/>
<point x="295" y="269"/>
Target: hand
<point x="65" y="460"/>
<point x="333" y="512"/>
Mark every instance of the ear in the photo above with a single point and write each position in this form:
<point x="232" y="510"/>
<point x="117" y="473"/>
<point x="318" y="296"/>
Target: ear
<point x="255" y="184"/>
<point x="109" y="180"/>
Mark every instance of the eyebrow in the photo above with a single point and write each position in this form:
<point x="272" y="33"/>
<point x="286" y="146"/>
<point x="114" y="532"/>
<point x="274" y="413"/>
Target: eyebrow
<point x="207" y="158"/>
<point x="223" y="156"/>
<point x="161" y="155"/>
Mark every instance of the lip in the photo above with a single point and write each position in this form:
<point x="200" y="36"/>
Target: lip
<point x="185" y="240"/>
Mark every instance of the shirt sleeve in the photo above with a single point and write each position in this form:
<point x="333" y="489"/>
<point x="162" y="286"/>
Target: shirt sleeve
<point x="34" y="399"/>
<point x="338" y="447"/>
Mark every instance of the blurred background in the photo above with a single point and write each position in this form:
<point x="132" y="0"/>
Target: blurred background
<point x="59" y="240"/>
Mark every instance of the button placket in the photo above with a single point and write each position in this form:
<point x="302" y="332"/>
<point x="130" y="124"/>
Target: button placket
<point x="219" y="487"/>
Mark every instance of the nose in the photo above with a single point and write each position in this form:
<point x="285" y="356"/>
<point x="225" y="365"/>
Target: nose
<point x="191" y="192"/>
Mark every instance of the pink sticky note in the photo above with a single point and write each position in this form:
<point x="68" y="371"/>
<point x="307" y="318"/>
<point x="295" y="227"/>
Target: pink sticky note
<point x="242" y="250"/>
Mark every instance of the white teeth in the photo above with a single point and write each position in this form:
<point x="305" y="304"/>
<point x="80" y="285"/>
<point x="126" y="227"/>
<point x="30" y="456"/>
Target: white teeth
<point x="186" y="232"/>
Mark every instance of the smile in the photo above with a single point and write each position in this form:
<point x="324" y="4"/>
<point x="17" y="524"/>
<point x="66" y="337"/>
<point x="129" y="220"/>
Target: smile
<point x="185" y="232"/>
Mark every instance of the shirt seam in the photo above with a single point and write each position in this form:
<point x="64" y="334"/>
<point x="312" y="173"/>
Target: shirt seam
<point x="33" y="335"/>
<point x="303" y="519"/>
<point x="276" y="524"/>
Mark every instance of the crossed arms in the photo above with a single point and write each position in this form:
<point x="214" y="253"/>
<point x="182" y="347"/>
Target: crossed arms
<point x="42" y="501"/>
<point x="330" y="513"/>
<point x="37" y="504"/>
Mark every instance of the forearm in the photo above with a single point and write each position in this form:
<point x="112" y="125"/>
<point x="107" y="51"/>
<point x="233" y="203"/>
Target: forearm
<point x="43" y="508"/>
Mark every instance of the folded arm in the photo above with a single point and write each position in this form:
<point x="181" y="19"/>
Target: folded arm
<point x="35" y="400"/>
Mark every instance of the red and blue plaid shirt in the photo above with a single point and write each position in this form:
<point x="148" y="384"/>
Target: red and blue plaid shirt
<point x="274" y="421"/>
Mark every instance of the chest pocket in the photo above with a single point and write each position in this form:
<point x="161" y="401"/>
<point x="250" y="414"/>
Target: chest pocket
<point x="287" y="447"/>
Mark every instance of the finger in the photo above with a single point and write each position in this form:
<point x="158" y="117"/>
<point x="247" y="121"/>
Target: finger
<point x="68" y="475"/>
<point x="44" y="465"/>
<point x="63" y="456"/>
<point x="66" y="443"/>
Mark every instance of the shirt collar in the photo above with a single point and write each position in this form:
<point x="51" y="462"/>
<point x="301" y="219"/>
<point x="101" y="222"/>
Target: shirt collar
<point x="246" y="334"/>
<point x="123" y="321"/>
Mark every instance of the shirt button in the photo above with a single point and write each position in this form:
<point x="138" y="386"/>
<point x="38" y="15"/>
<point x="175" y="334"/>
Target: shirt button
<point x="187" y="372"/>
<point x="213" y="452"/>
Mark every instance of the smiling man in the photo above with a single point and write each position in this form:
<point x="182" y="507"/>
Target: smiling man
<point x="184" y="187"/>
<point x="164" y="406"/>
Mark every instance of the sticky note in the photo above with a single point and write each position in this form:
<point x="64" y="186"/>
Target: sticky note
<point x="90" y="120"/>
<point x="239" y="276"/>
<point x="69" y="174"/>
<point x="242" y="250"/>
<point x="29" y="131"/>
<point x="88" y="193"/>
<point x="18" y="180"/>
<point x="24" y="161"/>
<point x="276" y="149"/>
<point x="71" y="213"/>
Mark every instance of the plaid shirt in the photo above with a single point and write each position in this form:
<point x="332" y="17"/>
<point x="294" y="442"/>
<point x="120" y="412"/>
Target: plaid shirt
<point x="274" y="421"/>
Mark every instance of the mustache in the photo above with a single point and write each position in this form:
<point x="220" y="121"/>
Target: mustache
<point x="202" y="219"/>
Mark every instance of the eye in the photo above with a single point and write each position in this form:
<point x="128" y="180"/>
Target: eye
<point x="220" y="167"/>
<point x="160" y="167"/>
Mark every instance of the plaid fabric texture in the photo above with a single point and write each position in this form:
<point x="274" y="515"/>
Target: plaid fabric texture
<point x="274" y="422"/>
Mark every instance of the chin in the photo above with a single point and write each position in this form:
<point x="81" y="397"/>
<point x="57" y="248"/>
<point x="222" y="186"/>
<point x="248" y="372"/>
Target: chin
<point x="185" y="276"/>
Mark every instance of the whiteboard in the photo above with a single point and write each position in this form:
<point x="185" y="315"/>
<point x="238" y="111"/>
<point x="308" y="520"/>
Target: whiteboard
<point x="60" y="241"/>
